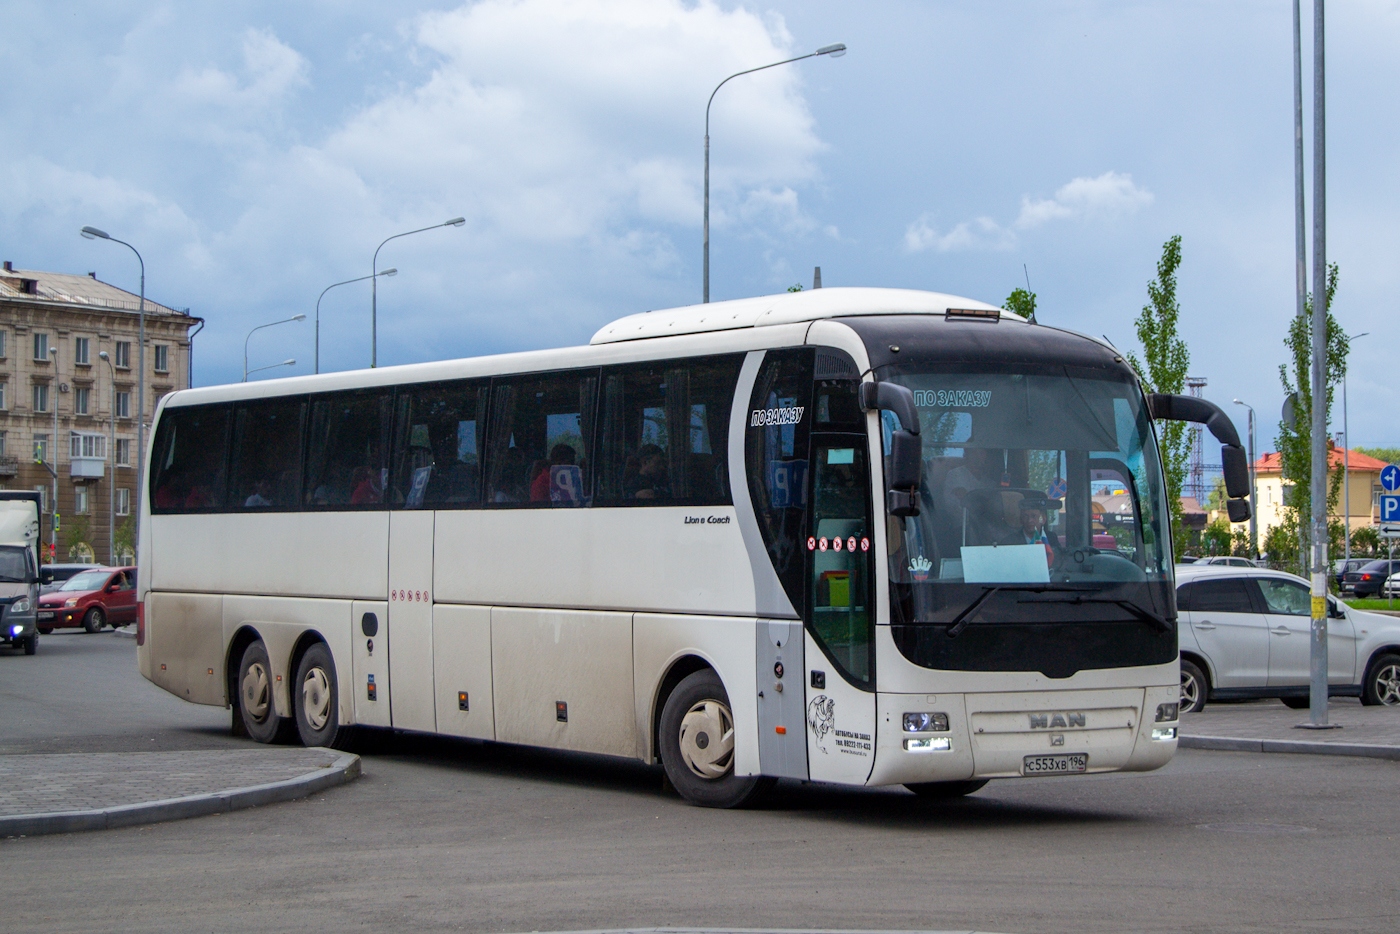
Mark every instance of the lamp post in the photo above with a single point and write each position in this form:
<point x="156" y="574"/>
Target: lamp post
<point x="374" y="285"/>
<point x="387" y="272"/>
<point x="1346" y="458"/>
<point x="835" y="51"/>
<point x="92" y="233"/>
<point x="270" y="366"/>
<point x="270" y="324"/>
<point x="53" y="527"/>
<point x="112" y="499"/>
<point x="1253" y="488"/>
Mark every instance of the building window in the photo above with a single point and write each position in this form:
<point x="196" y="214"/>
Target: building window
<point x="81" y="347"/>
<point x="3" y="344"/>
<point x="41" y="449"/>
<point x="123" y="355"/>
<point x="4" y="403"/>
<point x="123" y="502"/>
<point x="2" y="443"/>
<point x="82" y="395"/>
<point x="123" y="452"/>
<point x="123" y="405"/>
<point x="85" y="444"/>
<point x="162" y="358"/>
<point x="41" y="397"/>
<point x="41" y="346"/>
<point x="43" y="492"/>
<point x="80" y="501"/>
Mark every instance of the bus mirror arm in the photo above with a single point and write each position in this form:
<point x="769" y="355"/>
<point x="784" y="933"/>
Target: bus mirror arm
<point x="906" y="449"/>
<point x="1234" y="462"/>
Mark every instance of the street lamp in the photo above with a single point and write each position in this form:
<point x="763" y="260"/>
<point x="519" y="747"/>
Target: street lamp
<point x="1253" y="487"/>
<point x="835" y="51"/>
<point x="374" y="285"/>
<point x="92" y="233"/>
<point x="1346" y="458"/>
<point x="270" y="324"/>
<point x="270" y="366"/>
<point x="387" y="272"/>
<point x="112" y="499"/>
<point x="53" y="400"/>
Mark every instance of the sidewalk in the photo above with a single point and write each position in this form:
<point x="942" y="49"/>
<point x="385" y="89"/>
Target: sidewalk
<point x="42" y="794"/>
<point x="1268" y="726"/>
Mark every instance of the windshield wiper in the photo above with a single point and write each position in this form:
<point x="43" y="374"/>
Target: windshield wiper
<point x="1159" y="623"/>
<point x="959" y="622"/>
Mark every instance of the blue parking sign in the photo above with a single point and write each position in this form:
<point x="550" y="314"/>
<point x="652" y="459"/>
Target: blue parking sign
<point x="1390" y="478"/>
<point x="1390" y="508"/>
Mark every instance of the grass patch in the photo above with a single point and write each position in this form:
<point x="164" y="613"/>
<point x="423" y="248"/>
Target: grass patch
<point x="1370" y="604"/>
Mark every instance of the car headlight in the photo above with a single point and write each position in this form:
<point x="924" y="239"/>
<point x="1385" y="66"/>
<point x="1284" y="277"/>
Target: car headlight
<point x="20" y="606"/>
<point x="71" y="601"/>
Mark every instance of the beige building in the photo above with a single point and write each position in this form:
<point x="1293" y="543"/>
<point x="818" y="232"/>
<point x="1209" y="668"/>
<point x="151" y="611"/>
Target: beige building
<point x="1361" y="511"/>
<point x="81" y="318"/>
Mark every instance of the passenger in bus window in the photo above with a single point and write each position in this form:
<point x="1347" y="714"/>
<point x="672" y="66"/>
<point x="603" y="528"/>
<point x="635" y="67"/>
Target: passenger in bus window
<point x="651" y="480"/>
<point x="261" y="495"/>
<point x="561" y="455"/>
<point x="366" y="489"/>
<point x="511" y="484"/>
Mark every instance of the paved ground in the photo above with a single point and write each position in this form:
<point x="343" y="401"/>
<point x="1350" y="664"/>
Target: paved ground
<point x="1271" y="720"/>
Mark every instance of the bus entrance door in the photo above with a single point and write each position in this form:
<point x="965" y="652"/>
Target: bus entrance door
<point x="411" y="620"/>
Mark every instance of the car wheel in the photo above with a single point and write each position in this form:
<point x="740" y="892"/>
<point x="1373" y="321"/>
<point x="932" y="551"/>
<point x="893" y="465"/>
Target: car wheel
<point x="255" y="703"/>
<point x="1194" y="687"/>
<point x="95" y="619"/>
<point x="31" y="644"/>
<point x="1382" y="685"/>
<point x="316" y="700"/>
<point x="697" y="745"/>
<point x="1296" y="703"/>
<point x="945" y="790"/>
<point x="46" y="631"/>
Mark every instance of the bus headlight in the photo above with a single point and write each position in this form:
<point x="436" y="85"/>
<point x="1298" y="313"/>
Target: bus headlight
<point x="1167" y="712"/>
<point x="929" y="744"/>
<point x="925" y="723"/>
<point x="1162" y="733"/>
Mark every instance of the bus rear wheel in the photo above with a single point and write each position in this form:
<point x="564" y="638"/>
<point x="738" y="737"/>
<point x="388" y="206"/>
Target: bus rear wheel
<point x="255" y="703"/>
<point x="946" y="790"/>
<point x="316" y="700"/>
<point x="697" y="745"/>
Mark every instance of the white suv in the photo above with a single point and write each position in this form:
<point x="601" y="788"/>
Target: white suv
<point x="1246" y="632"/>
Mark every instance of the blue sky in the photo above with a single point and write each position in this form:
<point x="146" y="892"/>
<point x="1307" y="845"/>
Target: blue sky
<point x="257" y="152"/>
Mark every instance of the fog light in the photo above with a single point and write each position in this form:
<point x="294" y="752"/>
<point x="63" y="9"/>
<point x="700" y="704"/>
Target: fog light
<point x="16" y="630"/>
<point x="1163" y="732"/>
<point x="1167" y="712"/>
<point x="929" y="744"/>
<point x="926" y="723"/>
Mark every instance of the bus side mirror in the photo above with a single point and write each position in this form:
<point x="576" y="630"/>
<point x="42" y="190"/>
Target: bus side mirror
<point x="906" y="449"/>
<point x="1234" y="462"/>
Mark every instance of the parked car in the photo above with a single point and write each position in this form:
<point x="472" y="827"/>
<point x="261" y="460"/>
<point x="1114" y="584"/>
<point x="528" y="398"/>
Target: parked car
<point x="1225" y="561"/>
<point x="1186" y="559"/>
<point x="1247" y="632"/>
<point x="92" y="599"/>
<point x="1391" y="587"/>
<point x="53" y="576"/>
<point x="1342" y="566"/>
<point x="1366" y="580"/>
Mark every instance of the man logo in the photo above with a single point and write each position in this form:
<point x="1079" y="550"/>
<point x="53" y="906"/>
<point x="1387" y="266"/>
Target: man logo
<point x="1056" y="721"/>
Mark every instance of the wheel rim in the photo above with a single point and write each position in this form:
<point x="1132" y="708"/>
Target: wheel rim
<point x="257" y="699"/>
<point x="707" y="739"/>
<point x="1190" y="690"/>
<point x="1388" y="685"/>
<point x="97" y="619"/>
<point x="316" y="698"/>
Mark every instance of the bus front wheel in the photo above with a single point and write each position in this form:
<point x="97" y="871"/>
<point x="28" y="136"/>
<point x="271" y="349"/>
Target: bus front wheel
<point x="316" y="700"/>
<point x="697" y="745"/>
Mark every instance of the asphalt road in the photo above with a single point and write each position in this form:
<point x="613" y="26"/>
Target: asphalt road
<point x="442" y="835"/>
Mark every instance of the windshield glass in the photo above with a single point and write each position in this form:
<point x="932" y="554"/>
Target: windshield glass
<point x="14" y="564"/>
<point x="1041" y="501"/>
<point x="87" y="580"/>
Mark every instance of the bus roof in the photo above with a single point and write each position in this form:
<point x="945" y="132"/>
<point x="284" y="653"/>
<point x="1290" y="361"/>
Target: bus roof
<point x="783" y="308"/>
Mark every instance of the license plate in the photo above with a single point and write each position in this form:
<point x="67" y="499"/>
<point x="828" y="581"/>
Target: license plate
<point x="46" y="614"/>
<point x="1055" y="765"/>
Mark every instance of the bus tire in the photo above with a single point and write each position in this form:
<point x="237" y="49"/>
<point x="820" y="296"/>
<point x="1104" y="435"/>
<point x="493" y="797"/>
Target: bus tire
<point x="943" y="791"/>
<point x="95" y="619"/>
<point x="316" y="700"/>
<point x="1194" y="687"/>
<point x="696" y="743"/>
<point x="255" y="701"/>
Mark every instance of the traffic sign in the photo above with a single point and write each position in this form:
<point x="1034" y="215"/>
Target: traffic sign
<point x="1390" y="509"/>
<point x="1390" y="478"/>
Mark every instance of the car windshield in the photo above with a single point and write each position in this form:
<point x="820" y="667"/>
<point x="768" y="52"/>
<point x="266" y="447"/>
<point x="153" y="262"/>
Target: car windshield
<point x="87" y="580"/>
<point x="1041" y="500"/>
<point x="14" y="564"/>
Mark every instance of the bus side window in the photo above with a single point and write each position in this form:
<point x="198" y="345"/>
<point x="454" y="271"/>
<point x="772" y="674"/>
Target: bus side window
<point x="191" y="450"/>
<point x="345" y="456"/>
<point x="265" y="470"/>
<point x="540" y="445"/>
<point x="437" y="455"/>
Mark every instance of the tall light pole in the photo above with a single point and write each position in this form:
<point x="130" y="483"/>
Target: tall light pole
<point x="270" y="324"/>
<point x="835" y="51"/>
<point x="387" y="272"/>
<point x="270" y="366"/>
<point x="1253" y="488"/>
<point x="1346" y="455"/>
<point x="374" y="285"/>
<point x="53" y="526"/>
<point x="92" y="233"/>
<point x="112" y="498"/>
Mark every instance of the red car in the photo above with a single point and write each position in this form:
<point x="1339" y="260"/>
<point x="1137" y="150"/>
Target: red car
<point x="91" y="599"/>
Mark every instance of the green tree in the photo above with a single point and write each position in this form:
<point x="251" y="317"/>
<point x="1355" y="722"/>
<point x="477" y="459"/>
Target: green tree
<point x="1280" y="545"/>
<point x="1389" y="455"/>
<point x="1295" y="443"/>
<point x="126" y="537"/>
<point x="77" y="536"/>
<point x="1163" y="369"/>
<point x="1217" y="538"/>
<point x="1365" y="542"/>
<point x="1021" y="302"/>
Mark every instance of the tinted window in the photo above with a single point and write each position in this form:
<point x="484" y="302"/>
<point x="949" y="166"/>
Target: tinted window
<point x="665" y="433"/>
<point x="187" y="468"/>
<point x="346" y="457"/>
<point x="1183" y="596"/>
<point x="1221" y="596"/>
<point x="437" y="461"/>
<point x="265" y="467"/>
<point x="1288" y="598"/>
<point x="541" y="437"/>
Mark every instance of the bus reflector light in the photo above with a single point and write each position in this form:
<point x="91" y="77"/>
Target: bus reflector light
<point x="561" y="711"/>
<point x="462" y="701"/>
<point x="1163" y="732"/>
<point x="781" y="730"/>
<point x="925" y="722"/>
<point x="1167" y="712"/>
<point x="929" y="744"/>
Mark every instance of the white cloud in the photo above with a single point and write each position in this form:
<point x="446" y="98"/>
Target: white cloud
<point x="271" y="70"/>
<point x="980" y="234"/>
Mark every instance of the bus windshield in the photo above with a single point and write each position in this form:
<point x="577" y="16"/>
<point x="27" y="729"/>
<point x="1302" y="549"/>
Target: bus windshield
<point x="1041" y="501"/>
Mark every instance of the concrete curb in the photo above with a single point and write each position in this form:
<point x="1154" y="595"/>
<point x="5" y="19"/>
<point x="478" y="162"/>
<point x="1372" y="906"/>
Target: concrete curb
<point x="345" y="769"/>
<point x="125" y="633"/>
<point x="1296" y="747"/>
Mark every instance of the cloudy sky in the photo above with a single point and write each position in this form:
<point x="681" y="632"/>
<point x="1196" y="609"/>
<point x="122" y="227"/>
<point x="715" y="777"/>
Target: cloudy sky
<point x="257" y="152"/>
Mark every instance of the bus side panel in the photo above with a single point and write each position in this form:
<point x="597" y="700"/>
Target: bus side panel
<point x="185" y="645"/>
<point x="281" y="622"/>
<point x="583" y="660"/>
<point x="462" y="671"/>
<point x="728" y="645"/>
<point x="270" y="553"/>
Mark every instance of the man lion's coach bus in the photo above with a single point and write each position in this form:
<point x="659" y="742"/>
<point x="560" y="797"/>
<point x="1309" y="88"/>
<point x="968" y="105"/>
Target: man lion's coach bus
<point x="865" y="536"/>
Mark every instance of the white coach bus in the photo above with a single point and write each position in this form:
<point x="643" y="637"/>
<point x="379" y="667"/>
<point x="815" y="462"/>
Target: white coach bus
<point x="866" y="536"/>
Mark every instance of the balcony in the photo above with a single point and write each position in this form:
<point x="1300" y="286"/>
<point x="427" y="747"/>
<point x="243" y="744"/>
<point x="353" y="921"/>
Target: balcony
<point x="9" y="466"/>
<point x="87" y="468"/>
